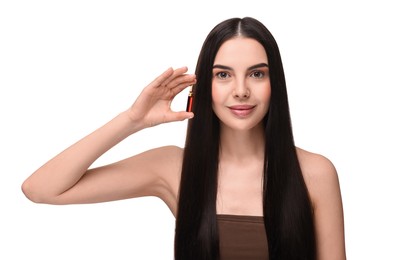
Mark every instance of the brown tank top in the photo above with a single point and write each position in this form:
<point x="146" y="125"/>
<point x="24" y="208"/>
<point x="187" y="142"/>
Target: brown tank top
<point x="242" y="237"/>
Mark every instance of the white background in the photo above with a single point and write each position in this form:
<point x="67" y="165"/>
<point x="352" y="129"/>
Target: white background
<point x="67" y="67"/>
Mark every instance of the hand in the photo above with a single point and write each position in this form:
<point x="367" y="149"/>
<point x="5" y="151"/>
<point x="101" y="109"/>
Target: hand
<point x="153" y="106"/>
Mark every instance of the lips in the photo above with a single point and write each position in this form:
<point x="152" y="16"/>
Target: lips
<point x="241" y="110"/>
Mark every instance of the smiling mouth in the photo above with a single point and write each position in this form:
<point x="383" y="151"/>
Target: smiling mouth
<point x="242" y="110"/>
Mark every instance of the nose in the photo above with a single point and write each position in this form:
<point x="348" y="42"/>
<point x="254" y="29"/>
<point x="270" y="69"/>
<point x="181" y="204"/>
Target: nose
<point x="241" y="90"/>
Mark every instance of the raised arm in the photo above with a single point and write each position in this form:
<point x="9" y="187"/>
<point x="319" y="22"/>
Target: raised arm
<point x="67" y="179"/>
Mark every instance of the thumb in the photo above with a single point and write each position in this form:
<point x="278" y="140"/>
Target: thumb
<point x="180" y="116"/>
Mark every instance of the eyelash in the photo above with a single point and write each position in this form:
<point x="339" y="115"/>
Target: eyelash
<point x="220" y="75"/>
<point x="253" y="74"/>
<point x="262" y="74"/>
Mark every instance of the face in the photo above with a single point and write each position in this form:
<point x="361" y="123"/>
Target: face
<point x="241" y="87"/>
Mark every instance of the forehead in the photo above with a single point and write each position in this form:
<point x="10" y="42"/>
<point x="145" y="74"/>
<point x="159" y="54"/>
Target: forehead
<point x="241" y="51"/>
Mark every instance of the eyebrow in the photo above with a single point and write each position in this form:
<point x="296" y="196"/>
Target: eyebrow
<point x="260" y="65"/>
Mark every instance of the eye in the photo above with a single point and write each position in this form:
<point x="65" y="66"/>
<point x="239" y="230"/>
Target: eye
<point x="257" y="74"/>
<point x="222" y="75"/>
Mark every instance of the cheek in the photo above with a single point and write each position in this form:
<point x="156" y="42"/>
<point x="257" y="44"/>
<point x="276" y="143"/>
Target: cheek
<point x="265" y="93"/>
<point x="216" y="95"/>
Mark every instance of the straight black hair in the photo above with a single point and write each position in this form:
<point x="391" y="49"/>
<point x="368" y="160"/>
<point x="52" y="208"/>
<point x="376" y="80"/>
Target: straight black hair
<point x="288" y="214"/>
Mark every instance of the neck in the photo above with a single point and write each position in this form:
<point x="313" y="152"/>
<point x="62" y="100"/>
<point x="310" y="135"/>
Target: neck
<point x="241" y="145"/>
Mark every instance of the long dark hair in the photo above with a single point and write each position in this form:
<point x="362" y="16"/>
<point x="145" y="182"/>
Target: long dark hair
<point x="288" y="215"/>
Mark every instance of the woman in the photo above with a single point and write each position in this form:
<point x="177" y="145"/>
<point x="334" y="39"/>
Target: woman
<point x="239" y="189"/>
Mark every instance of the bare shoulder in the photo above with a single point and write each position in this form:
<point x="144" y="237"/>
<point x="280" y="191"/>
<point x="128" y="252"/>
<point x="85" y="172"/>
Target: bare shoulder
<point x="319" y="173"/>
<point x="321" y="179"/>
<point x="168" y="168"/>
<point x="166" y="162"/>
<point x="315" y="164"/>
<point x="167" y="155"/>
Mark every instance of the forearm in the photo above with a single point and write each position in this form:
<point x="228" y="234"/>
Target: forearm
<point x="66" y="169"/>
<point x="63" y="179"/>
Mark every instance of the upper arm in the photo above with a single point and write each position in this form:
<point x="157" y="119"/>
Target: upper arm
<point x="323" y="185"/>
<point x="151" y="173"/>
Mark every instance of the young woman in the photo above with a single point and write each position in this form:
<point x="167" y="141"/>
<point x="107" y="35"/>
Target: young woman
<point x="239" y="189"/>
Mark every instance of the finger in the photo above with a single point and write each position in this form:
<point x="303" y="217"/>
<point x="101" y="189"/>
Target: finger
<point x="176" y="90"/>
<point x="178" y="72"/>
<point x="185" y="78"/>
<point x="162" y="78"/>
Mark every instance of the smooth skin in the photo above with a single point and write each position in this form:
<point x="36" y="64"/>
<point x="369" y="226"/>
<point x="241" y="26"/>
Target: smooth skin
<point x="240" y="92"/>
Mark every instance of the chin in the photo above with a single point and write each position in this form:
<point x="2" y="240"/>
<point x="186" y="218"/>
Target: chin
<point x="242" y="126"/>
